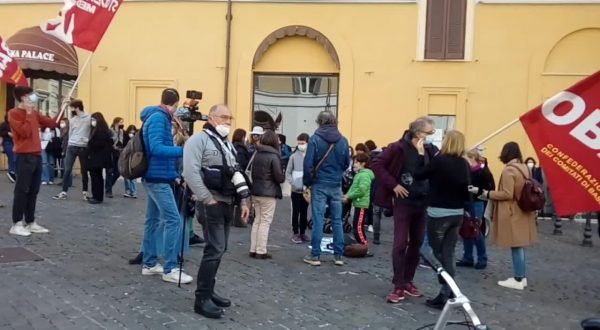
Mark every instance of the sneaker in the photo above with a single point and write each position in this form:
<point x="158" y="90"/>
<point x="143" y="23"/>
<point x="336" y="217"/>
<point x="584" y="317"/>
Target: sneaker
<point x="424" y="264"/>
<point x="12" y="177"/>
<point x="109" y="194"/>
<point x="480" y="265"/>
<point x="194" y="240"/>
<point x="85" y="195"/>
<point x="127" y="195"/>
<point x="312" y="260"/>
<point x="512" y="283"/>
<point x="411" y="290"/>
<point x="296" y="239"/>
<point x="337" y="260"/>
<point x="370" y="228"/>
<point x="61" y="195"/>
<point x="44" y="183"/>
<point x="156" y="270"/>
<point x="50" y="183"/>
<point x="464" y="263"/>
<point x="304" y="238"/>
<point x="19" y="229"/>
<point x="36" y="229"/>
<point x="173" y="277"/>
<point x="395" y="296"/>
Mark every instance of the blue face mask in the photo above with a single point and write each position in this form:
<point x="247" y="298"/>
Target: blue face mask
<point x="33" y="98"/>
<point x="429" y="139"/>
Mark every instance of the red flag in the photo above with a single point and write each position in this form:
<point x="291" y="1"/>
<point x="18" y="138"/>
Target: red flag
<point x="10" y="71"/>
<point x="82" y="22"/>
<point x="565" y="132"/>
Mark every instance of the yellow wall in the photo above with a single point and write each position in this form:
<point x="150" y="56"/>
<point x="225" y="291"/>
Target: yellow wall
<point x="382" y="87"/>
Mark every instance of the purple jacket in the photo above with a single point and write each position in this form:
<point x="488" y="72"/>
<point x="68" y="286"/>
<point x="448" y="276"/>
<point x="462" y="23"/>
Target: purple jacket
<point x="388" y="166"/>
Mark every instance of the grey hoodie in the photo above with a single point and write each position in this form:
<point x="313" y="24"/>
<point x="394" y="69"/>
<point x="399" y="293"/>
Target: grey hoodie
<point x="296" y="163"/>
<point x="79" y="130"/>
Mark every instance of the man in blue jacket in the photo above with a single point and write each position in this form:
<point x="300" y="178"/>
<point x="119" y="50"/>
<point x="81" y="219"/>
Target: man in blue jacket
<point x="325" y="183"/>
<point x="161" y="212"/>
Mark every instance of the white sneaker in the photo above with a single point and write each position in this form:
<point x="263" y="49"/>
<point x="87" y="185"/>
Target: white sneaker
<point x="37" y="229"/>
<point x="524" y="282"/>
<point x="156" y="270"/>
<point x="370" y="228"/>
<point x="44" y="183"/>
<point x="511" y="283"/>
<point x="19" y="229"/>
<point x="85" y="195"/>
<point x="60" y="196"/>
<point x="173" y="277"/>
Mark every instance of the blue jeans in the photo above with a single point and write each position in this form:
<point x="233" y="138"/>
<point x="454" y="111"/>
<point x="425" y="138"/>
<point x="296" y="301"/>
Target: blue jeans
<point x="161" y="210"/>
<point x="518" y="259"/>
<point x="479" y="243"/>
<point x="324" y="195"/>
<point x="47" y="167"/>
<point x="12" y="160"/>
<point x="130" y="187"/>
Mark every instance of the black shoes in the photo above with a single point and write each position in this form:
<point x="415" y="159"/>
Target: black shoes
<point x="94" y="201"/>
<point x="137" y="260"/>
<point x="462" y="263"/>
<point x="194" y="240"/>
<point x="437" y="302"/>
<point x="220" y="301"/>
<point x="376" y="239"/>
<point x="480" y="265"/>
<point x="208" y="308"/>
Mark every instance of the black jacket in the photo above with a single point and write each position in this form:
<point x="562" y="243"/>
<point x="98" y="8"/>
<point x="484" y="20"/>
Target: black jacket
<point x="100" y="150"/>
<point x="243" y="155"/>
<point x="448" y="181"/>
<point x="483" y="179"/>
<point x="267" y="175"/>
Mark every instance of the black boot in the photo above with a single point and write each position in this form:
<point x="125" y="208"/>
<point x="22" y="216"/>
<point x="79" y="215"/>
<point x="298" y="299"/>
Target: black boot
<point x="196" y="240"/>
<point x="437" y="302"/>
<point x="376" y="239"/>
<point x="220" y="301"/>
<point x="208" y="309"/>
<point x="137" y="260"/>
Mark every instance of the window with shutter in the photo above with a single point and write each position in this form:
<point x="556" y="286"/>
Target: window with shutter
<point x="445" y="31"/>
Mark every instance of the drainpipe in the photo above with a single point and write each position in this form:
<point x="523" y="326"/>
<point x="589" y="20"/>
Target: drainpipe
<point x="227" y="52"/>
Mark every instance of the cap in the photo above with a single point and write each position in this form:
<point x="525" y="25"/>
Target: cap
<point x="257" y="130"/>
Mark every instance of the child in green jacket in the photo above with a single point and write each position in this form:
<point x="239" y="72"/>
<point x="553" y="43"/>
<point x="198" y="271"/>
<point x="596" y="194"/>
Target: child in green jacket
<point x="360" y="195"/>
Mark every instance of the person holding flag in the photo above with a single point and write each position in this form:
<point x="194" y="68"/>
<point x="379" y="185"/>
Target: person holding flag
<point x="25" y="123"/>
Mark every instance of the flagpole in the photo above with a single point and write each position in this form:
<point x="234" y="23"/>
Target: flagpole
<point x="500" y="130"/>
<point x="64" y="104"/>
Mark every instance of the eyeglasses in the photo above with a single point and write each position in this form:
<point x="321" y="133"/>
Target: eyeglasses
<point x="430" y="132"/>
<point x="225" y="117"/>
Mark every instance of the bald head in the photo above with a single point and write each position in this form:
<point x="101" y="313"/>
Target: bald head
<point x="219" y="114"/>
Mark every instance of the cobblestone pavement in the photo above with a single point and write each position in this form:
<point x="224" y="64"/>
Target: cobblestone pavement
<point x="85" y="281"/>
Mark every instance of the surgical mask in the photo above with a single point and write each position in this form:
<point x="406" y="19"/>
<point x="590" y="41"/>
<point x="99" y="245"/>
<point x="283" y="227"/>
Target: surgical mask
<point x="93" y="123"/>
<point x="223" y="130"/>
<point x="63" y="125"/>
<point x="302" y="147"/>
<point x="33" y="98"/>
<point x="429" y="139"/>
<point x="530" y="165"/>
<point x="131" y="135"/>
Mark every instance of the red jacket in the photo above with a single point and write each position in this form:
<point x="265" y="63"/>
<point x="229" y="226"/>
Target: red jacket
<point x="26" y="130"/>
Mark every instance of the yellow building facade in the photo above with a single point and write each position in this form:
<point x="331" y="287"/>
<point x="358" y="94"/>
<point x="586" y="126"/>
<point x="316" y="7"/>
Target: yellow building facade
<point x="515" y="55"/>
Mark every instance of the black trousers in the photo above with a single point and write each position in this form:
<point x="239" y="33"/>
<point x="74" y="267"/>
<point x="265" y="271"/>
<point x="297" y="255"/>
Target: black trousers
<point x="443" y="235"/>
<point x="97" y="184"/>
<point x="216" y="221"/>
<point x="358" y="225"/>
<point x="299" y="213"/>
<point x="27" y="187"/>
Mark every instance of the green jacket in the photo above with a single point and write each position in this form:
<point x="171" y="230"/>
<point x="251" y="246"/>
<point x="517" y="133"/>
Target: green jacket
<point x="360" y="191"/>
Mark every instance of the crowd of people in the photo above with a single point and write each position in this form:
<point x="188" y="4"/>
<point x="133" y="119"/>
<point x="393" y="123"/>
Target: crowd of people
<point x="223" y="183"/>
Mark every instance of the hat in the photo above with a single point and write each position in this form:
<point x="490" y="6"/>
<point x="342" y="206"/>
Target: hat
<point x="257" y="130"/>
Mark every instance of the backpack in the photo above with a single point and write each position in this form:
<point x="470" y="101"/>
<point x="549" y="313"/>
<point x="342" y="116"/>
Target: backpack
<point x="133" y="162"/>
<point x="532" y="196"/>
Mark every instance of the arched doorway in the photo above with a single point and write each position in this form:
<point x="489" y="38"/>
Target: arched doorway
<point x="295" y="76"/>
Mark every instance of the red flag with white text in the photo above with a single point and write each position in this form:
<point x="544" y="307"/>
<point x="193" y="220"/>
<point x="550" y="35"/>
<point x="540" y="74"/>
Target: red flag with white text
<point x="565" y="132"/>
<point x="82" y="22"/>
<point x="10" y="71"/>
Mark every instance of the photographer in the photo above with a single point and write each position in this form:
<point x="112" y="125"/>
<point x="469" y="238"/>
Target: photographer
<point x="209" y="168"/>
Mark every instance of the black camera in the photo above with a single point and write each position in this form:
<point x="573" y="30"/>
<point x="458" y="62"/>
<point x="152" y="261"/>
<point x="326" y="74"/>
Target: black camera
<point x="189" y="112"/>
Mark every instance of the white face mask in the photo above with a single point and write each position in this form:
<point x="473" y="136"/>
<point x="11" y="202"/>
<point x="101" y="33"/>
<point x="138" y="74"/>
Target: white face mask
<point x="131" y="135"/>
<point x="93" y="123"/>
<point x="33" y="98"/>
<point x="530" y="165"/>
<point x="223" y="130"/>
<point x="302" y="147"/>
<point x="63" y="125"/>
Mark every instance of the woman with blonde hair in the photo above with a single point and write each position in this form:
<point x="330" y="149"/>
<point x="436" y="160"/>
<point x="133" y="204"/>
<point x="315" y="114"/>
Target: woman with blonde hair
<point x="448" y="175"/>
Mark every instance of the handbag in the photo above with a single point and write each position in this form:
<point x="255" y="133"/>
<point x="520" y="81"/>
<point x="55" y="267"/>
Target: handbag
<point x="306" y="193"/>
<point x="471" y="226"/>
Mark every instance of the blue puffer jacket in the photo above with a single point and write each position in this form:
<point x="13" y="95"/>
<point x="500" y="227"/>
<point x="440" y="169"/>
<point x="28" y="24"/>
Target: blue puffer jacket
<point x="336" y="163"/>
<point x="158" y="142"/>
